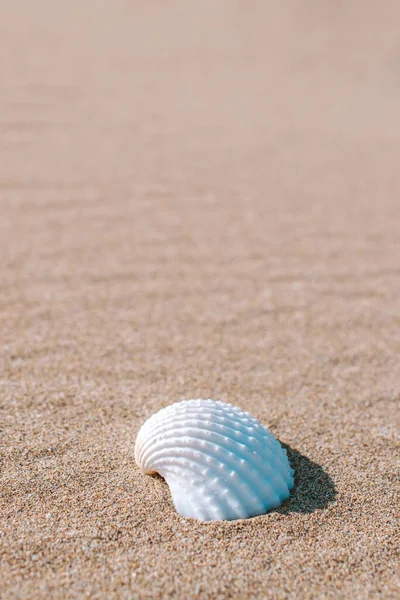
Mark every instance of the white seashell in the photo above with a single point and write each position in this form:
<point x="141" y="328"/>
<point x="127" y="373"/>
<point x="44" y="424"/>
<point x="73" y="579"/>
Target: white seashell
<point x="219" y="462"/>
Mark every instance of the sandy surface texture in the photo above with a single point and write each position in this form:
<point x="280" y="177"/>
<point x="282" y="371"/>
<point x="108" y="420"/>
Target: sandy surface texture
<point x="198" y="199"/>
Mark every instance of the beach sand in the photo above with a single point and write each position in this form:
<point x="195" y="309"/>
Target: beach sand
<point x="198" y="199"/>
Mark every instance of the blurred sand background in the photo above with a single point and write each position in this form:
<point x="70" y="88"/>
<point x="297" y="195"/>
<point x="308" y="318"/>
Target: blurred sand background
<point x="198" y="199"/>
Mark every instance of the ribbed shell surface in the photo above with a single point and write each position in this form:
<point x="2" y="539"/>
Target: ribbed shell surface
<point x="220" y="463"/>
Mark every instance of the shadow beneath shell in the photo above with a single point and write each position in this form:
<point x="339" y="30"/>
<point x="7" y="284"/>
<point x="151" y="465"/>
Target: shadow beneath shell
<point x="313" y="487"/>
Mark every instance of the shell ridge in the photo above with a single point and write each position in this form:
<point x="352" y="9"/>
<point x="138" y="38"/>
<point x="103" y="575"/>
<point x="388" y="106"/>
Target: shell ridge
<point x="223" y="504"/>
<point x="218" y="461"/>
<point x="153" y="462"/>
<point x="157" y="460"/>
<point x="174" y="424"/>
<point x="239" y="450"/>
<point x="232" y="424"/>
<point x="235" y="504"/>
<point x="183" y="497"/>
<point x="196" y="429"/>
<point x="243" y="491"/>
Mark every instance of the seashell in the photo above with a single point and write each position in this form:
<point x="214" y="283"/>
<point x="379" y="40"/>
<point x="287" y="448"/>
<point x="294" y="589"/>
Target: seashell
<point x="219" y="462"/>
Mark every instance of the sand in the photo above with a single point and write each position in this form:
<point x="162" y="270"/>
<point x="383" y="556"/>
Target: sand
<point x="198" y="199"/>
